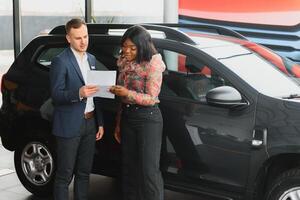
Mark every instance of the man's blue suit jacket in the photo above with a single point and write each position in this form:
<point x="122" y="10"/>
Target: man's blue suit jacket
<point x="65" y="81"/>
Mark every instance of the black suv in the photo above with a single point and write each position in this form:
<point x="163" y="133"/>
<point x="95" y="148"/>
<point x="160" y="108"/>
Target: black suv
<point x="231" y="112"/>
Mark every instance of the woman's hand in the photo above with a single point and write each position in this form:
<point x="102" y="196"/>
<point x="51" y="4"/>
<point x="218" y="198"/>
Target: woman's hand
<point x="100" y="133"/>
<point x="117" y="134"/>
<point x="119" y="90"/>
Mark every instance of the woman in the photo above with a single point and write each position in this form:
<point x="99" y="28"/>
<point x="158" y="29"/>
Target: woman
<point x="139" y="119"/>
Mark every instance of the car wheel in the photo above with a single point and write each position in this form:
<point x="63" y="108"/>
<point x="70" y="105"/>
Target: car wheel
<point x="286" y="187"/>
<point x="35" y="167"/>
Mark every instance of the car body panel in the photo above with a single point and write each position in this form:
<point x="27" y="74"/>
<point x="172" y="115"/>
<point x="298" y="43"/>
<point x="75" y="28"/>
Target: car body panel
<point x="210" y="150"/>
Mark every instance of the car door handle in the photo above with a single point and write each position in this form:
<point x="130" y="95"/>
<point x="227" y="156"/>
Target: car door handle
<point x="259" y="137"/>
<point x="257" y="143"/>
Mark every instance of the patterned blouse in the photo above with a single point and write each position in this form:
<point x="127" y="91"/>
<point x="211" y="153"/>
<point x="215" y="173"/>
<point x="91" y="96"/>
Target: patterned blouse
<point x="142" y="80"/>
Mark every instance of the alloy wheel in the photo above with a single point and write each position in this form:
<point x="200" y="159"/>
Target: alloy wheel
<point x="291" y="194"/>
<point x="37" y="163"/>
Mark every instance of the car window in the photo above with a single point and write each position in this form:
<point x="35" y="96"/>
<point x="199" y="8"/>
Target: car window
<point x="49" y="53"/>
<point x="106" y="54"/>
<point x="262" y="75"/>
<point x="188" y="77"/>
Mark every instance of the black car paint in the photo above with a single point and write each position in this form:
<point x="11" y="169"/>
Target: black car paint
<point x="212" y="144"/>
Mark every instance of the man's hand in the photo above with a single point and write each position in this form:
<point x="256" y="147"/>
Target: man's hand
<point x="88" y="90"/>
<point x="100" y="133"/>
<point x="119" y="90"/>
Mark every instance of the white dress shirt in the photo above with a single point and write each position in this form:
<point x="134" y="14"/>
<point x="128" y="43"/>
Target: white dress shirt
<point x="84" y="67"/>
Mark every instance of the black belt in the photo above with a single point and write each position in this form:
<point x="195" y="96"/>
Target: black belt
<point x="136" y="106"/>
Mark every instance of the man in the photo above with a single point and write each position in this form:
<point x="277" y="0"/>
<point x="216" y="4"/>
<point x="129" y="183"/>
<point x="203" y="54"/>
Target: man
<point x="74" y="123"/>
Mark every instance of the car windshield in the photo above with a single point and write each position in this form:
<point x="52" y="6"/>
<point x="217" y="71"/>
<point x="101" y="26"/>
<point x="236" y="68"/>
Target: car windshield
<point x="262" y="75"/>
<point x="258" y="70"/>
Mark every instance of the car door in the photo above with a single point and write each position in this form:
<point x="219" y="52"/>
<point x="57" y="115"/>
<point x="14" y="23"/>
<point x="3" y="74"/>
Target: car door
<point x="205" y="146"/>
<point x="107" y="160"/>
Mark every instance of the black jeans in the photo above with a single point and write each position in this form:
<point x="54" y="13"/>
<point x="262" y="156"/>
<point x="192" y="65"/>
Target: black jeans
<point x="141" y="134"/>
<point x="75" y="157"/>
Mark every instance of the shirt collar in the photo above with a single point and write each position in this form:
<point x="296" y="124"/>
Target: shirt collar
<point x="77" y="55"/>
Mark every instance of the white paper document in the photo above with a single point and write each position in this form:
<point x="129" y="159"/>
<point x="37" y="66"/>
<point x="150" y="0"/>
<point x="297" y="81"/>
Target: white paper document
<point x="104" y="80"/>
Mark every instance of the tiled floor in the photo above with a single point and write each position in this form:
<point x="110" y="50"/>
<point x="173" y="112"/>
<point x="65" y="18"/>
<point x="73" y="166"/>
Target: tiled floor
<point x="101" y="187"/>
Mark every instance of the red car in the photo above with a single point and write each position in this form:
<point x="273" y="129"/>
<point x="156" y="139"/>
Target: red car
<point x="274" y="24"/>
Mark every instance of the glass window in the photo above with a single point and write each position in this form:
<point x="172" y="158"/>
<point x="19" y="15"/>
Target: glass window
<point x="6" y="30"/>
<point x="39" y="17"/>
<point x="188" y="77"/>
<point x="47" y="55"/>
<point x="106" y="55"/>
<point x="262" y="75"/>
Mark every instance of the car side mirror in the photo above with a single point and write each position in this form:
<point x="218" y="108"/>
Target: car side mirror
<point x="224" y="96"/>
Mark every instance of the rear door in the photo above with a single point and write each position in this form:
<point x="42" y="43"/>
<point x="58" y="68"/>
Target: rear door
<point x="107" y="159"/>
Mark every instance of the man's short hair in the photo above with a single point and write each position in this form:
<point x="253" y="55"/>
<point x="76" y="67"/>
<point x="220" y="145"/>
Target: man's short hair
<point x="74" y="23"/>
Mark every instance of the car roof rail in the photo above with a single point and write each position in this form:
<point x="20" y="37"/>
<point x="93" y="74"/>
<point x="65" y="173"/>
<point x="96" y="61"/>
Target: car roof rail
<point x="207" y="29"/>
<point x="169" y="32"/>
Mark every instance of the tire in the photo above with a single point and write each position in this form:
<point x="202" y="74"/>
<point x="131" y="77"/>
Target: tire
<point x="285" y="187"/>
<point x="35" y="167"/>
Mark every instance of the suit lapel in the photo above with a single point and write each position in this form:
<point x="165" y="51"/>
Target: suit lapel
<point x="91" y="62"/>
<point x="75" y="64"/>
